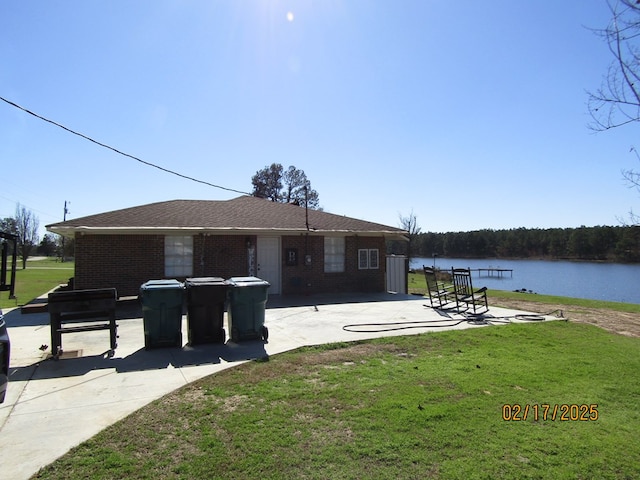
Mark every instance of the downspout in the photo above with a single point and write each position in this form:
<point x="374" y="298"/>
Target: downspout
<point x="306" y="220"/>
<point x="306" y="206"/>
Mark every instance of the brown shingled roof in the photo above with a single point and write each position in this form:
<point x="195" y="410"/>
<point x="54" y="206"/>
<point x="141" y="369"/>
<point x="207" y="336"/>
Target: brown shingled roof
<point x="239" y="214"/>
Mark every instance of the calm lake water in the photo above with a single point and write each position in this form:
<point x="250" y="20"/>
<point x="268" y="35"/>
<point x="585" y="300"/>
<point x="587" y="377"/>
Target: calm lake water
<point x="598" y="281"/>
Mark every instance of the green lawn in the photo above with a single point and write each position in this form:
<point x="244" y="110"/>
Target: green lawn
<point x="422" y="406"/>
<point x="39" y="277"/>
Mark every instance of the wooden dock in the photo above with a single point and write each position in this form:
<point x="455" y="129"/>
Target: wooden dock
<point x="493" y="272"/>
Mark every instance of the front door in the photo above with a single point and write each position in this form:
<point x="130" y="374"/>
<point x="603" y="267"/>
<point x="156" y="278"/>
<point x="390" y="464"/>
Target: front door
<point x="268" y="262"/>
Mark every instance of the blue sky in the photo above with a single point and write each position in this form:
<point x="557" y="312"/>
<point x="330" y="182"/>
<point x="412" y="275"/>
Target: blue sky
<point x="470" y="114"/>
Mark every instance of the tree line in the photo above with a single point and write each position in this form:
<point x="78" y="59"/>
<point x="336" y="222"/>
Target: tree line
<point x="602" y="243"/>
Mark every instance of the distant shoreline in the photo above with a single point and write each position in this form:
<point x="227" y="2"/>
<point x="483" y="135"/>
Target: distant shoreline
<point x="535" y="258"/>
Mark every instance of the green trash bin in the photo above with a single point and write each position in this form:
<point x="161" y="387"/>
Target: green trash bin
<point x="162" y="313"/>
<point x="247" y="301"/>
<point x="206" y="298"/>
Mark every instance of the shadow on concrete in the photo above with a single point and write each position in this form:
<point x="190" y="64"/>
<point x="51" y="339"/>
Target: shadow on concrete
<point x="126" y="309"/>
<point x="238" y="352"/>
<point x="286" y="301"/>
<point x="141" y="360"/>
<point x="15" y="318"/>
<point x="129" y="308"/>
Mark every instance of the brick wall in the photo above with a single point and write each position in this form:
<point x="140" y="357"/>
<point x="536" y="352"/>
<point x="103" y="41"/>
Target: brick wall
<point x="223" y="256"/>
<point x="127" y="261"/>
<point x="121" y="261"/>
<point x="301" y="278"/>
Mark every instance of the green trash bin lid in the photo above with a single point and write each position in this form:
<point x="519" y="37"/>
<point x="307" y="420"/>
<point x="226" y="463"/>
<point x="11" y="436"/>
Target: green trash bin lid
<point x="248" y="282"/>
<point x="161" y="284"/>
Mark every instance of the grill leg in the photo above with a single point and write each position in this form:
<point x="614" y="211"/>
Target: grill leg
<point x="113" y="330"/>
<point x="56" y="336"/>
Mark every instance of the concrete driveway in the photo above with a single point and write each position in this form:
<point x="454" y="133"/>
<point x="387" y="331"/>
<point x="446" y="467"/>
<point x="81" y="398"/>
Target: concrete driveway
<point x="53" y="405"/>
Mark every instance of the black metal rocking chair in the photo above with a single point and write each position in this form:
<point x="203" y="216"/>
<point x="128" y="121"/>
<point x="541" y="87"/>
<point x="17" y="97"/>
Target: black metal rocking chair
<point x="440" y="295"/>
<point x="467" y="299"/>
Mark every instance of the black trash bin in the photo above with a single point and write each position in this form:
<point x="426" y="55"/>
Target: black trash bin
<point x="247" y="303"/>
<point x="162" y="302"/>
<point x="206" y="298"/>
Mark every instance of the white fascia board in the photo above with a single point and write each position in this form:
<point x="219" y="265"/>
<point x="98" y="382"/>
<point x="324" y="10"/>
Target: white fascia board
<point x="71" y="231"/>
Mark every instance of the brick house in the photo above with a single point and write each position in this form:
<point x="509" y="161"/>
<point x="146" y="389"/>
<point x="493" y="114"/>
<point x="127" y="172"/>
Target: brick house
<point x="295" y="249"/>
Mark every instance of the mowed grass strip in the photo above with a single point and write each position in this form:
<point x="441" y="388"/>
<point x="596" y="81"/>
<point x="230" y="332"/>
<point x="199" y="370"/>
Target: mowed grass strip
<point x="39" y="277"/>
<point x="422" y="406"/>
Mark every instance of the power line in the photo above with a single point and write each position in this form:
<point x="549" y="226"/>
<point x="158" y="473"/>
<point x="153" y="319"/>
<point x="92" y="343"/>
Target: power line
<point x="27" y="206"/>
<point x="119" y="152"/>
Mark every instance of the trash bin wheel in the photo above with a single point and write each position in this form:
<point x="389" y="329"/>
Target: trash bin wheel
<point x="265" y="333"/>
<point x="222" y="335"/>
<point x="235" y="334"/>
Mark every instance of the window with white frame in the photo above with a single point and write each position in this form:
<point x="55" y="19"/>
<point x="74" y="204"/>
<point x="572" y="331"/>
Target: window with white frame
<point x="368" y="259"/>
<point x="178" y="256"/>
<point x="334" y="254"/>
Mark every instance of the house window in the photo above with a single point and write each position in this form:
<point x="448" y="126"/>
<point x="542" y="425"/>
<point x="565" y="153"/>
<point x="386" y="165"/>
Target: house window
<point x="178" y="256"/>
<point x="334" y="254"/>
<point x="368" y="259"/>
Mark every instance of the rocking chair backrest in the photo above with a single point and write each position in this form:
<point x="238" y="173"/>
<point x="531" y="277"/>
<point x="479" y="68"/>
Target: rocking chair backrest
<point x="430" y="277"/>
<point x="462" y="281"/>
<point x="439" y="293"/>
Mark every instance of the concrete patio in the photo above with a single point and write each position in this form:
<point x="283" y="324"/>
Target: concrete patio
<point x="53" y="405"/>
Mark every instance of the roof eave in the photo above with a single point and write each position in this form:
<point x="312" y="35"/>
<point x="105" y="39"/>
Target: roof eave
<point x="70" y="231"/>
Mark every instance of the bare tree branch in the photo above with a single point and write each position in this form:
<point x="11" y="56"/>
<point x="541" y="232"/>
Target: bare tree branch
<point x="410" y="224"/>
<point x="27" y="229"/>
<point x="617" y="102"/>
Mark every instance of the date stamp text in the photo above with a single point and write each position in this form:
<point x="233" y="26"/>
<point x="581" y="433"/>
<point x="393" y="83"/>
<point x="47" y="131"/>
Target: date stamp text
<point x="561" y="412"/>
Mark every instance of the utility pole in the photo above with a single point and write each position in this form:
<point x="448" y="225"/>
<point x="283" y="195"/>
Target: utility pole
<point x="64" y="219"/>
<point x="306" y="205"/>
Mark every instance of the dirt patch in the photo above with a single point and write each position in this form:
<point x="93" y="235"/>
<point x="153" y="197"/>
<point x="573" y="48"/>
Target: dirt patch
<point x="347" y="355"/>
<point x="623" y="323"/>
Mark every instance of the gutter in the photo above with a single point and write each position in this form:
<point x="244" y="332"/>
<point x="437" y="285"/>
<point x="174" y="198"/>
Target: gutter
<point x="70" y="232"/>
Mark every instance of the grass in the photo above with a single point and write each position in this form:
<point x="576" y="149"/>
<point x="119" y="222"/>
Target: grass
<point x="39" y="277"/>
<point x="421" y="406"/>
